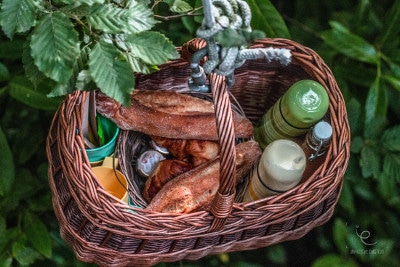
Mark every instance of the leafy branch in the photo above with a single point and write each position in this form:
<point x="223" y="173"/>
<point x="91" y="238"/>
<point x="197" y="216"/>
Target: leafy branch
<point x="84" y="44"/>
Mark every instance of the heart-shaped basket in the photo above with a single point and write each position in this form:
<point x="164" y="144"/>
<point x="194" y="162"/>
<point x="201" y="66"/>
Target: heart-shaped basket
<point x="111" y="233"/>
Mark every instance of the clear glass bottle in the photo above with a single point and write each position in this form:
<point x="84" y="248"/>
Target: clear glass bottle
<point x="280" y="168"/>
<point x="305" y="103"/>
<point x="315" y="145"/>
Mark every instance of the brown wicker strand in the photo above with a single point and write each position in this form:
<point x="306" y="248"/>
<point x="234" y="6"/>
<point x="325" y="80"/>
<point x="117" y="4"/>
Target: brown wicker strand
<point x="221" y="206"/>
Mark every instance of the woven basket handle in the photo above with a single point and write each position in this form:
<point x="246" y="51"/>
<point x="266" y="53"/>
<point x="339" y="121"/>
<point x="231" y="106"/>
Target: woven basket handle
<point x="221" y="205"/>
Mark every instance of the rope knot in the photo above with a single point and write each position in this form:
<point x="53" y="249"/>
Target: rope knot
<point x="227" y="15"/>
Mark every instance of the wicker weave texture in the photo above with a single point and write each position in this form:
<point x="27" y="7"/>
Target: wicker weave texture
<point x="103" y="230"/>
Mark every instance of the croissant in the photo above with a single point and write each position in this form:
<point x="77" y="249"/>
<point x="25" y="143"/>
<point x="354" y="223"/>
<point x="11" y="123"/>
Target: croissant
<point x="194" y="151"/>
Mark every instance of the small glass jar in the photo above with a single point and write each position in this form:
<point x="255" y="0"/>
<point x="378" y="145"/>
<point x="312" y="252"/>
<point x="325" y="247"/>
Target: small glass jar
<point x="317" y="140"/>
<point x="147" y="162"/>
<point x="315" y="145"/>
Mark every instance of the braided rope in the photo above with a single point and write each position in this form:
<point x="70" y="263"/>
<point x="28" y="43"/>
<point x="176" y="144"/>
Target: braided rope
<point x="229" y="14"/>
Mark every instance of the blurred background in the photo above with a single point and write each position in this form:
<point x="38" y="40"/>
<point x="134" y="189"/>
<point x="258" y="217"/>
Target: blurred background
<point x="358" y="39"/>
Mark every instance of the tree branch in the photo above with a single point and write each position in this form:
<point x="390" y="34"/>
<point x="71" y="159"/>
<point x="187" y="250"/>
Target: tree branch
<point x="190" y="13"/>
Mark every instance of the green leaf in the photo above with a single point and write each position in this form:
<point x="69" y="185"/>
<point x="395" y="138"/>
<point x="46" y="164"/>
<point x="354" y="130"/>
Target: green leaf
<point x="391" y="138"/>
<point x="277" y="254"/>
<point x="17" y="16"/>
<point x="376" y="104"/>
<point x="395" y="68"/>
<point x="374" y="128"/>
<point x="6" y="261"/>
<point x="370" y="161"/>
<point x="189" y="24"/>
<point x="22" y="90"/>
<point x="340" y="233"/>
<point x="111" y="19"/>
<point x="391" y="165"/>
<point x="139" y="66"/>
<point x="266" y="18"/>
<point x="8" y="234"/>
<point x="349" y="44"/>
<point x="132" y="3"/>
<point x="357" y="143"/>
<point x="7" y="169"/>
<point x="355" y="73"/>
<point x="394" y="81"/>
<point x="356" y="245"/>
<point x="354" y="111"/>
<point x="55" y="46"/>
<point x="32" y="72"/>
<point x="391" y="24"/>
<point x="230" y="38"/>
<point x="111" y="73"/>
<point x="11" y="49"/>
<point x="38" y="235"/>
<point x="4" y="73"/>
<point x="71" y="85"/>
<point x="333" y="260"/>
<point x="346" y="199"/>
<point x="84" y="81"/>
<point x="42" y="203"/>
<point x="151" y="47"/>
<point x="32" y="185"/>
<point x="24" y="255"/>
<point x="81" y="2"/>
<point x="385" y="246"/>
<point x="3" y="227"/>
<point x="178" y="6"/>
<point x="386" y="186"/>
<point x="76" y="10"/>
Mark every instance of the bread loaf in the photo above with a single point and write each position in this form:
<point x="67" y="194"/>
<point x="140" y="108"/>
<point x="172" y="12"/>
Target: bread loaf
<point x="195" y="189"/>
<point x="165" y="171"/>
<point x="168" y="114"/>
<point x="192" y="190"/>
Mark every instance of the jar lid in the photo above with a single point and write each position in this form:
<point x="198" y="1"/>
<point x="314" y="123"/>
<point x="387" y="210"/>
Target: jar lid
<point x="158" y="148"/>
<point x="147" y="162"/>
<point x="322" y="131"/>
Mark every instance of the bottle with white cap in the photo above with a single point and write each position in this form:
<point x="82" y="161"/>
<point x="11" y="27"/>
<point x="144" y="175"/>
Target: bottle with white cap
<point x="315" y="145"/>
<point x="281" y="168"/>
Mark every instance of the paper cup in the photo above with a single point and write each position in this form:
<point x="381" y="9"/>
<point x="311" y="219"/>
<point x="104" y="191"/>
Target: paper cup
<point x="112" y="180"/>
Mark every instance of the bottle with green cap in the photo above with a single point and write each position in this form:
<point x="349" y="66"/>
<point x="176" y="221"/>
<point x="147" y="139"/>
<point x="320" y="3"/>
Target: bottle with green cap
<point x="304" y="103"/>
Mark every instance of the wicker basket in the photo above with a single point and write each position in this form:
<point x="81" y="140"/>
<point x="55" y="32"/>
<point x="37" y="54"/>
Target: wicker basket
<point x="111" y="233"/>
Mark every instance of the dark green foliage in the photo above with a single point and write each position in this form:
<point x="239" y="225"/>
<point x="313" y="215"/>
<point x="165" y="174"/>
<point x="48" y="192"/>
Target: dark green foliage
<point x="48" y="51"/>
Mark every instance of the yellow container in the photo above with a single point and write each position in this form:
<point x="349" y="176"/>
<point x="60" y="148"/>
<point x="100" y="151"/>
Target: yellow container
<point x="112" y="180"/>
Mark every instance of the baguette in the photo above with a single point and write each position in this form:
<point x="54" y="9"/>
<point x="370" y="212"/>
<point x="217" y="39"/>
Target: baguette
<point x="195" y="189"/>
<point x="169" y="114"/>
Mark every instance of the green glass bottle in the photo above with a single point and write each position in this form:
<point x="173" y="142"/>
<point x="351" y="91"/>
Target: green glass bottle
<point x="304" y="103"/>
